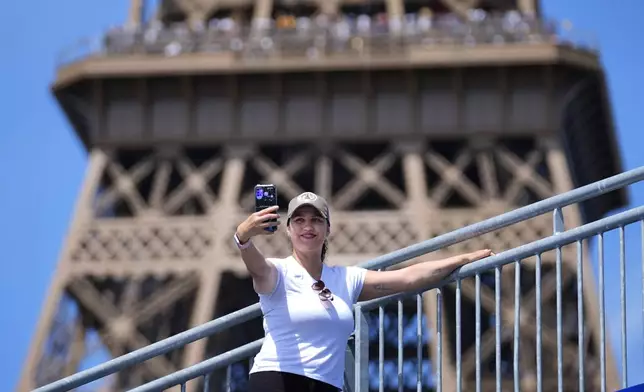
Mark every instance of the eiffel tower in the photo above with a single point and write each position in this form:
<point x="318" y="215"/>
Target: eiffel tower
<point x="413" y="118"/>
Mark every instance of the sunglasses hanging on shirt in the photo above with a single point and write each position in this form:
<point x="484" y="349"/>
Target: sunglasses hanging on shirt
<point x="323" y="292"/>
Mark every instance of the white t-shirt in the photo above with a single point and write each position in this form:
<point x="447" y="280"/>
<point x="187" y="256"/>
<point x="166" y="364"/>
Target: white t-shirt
<point x="303" y="336"/>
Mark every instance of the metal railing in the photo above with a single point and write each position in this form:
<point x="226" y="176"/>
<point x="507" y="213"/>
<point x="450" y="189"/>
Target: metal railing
<point x="356" y="376"/>
<point x="315" y="42"/>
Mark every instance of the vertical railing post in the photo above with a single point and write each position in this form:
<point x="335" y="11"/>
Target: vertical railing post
<point x="349" y="365"/>
<point x="558" y="228"/>
<point x="558" y="221"/>
<point x="602" y="314"/>
<point x="642" y="253"/>
<point x="622" y="291"/>
<point x="361" y="362"/>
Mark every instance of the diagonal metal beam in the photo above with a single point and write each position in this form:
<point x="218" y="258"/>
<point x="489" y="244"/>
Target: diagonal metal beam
<point x="145" y="310"/>
<point x="453" y="177"/>
<point x="125" y="185"/>
<point x="195" y="183"/>
<point x="525" y="174"/>
<point x="107" y="313"/>
<point x="367" y="176"/>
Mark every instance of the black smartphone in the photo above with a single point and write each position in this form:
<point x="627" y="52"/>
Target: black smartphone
<point x="266" y="196"/>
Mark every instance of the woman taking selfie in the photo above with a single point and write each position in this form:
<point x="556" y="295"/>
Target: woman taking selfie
<point x="308" y="305"/>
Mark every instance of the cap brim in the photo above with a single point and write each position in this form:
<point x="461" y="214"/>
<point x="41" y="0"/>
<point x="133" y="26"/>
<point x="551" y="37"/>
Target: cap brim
<point x="308" y="204"/>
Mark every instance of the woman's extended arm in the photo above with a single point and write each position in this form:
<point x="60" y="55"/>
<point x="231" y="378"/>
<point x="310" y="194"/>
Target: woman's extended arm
<point x="382" y="283"/>
<point x="262" y="272"/>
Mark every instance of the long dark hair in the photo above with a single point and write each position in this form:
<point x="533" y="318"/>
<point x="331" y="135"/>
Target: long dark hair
<point x="325" y="248"/>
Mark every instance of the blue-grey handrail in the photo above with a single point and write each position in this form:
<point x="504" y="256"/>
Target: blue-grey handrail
<point x="489" y="263"/>
<point x="521" y="252"/>
<point x="444" y="240"/>
<point x="506" y="219"/>
<point x="201" y="368"/>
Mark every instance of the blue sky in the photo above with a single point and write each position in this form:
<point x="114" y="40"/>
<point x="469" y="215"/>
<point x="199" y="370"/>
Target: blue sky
<point x="42" y="163"/>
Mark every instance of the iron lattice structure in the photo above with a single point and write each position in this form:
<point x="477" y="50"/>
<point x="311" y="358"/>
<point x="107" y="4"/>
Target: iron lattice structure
<point x="419" y="140"/>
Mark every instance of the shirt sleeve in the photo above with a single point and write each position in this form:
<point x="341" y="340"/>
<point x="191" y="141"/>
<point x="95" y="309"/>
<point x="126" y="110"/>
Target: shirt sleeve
<point x="355" y="281"/>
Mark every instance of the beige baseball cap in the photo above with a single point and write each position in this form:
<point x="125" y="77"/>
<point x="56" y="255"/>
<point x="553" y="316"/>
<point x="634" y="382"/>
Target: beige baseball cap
<point x="308" y="199"/>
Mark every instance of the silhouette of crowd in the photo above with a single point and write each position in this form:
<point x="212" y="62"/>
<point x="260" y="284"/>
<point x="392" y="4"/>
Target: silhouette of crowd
<point x="321" y="34"/>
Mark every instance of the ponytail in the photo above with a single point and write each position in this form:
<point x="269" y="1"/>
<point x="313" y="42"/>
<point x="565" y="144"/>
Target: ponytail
<point x="325" y="248"/>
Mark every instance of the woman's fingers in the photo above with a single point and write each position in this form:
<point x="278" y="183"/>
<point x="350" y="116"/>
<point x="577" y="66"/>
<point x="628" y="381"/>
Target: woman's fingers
<point x="258" y="221"/>
<point x="268" y="224"/>
<point x="266" y="211"/>
<point x="480" y="254"/>
<point x="264" y="218"/>
<point x="263" y="226"/>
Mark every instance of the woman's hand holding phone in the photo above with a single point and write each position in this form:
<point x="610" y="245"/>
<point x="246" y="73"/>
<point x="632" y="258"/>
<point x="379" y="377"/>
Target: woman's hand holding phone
<point x="256" y="224"/>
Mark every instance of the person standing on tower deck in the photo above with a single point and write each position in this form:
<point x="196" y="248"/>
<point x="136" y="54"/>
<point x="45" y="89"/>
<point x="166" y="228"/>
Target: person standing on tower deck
<point x="307" y="305"/>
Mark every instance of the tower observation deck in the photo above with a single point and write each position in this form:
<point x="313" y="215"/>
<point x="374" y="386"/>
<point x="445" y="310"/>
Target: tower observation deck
<point x="413" y="118"/>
